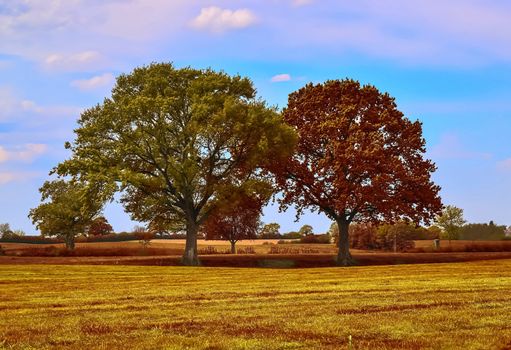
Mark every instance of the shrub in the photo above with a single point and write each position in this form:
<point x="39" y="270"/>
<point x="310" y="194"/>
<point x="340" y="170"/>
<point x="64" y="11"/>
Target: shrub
<point x="144" y="238"/>
<point x="208" y="250"/>
<point x="292" y="235"/>
<point x="246" y="250"/>
<point x="316" y="239"/>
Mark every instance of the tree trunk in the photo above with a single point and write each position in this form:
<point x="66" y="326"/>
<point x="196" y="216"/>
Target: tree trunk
<point x="344" y="257"/>
<point x="190" y="256"/>
<point x="70" y="242"/>
<point x="233" y="247"/>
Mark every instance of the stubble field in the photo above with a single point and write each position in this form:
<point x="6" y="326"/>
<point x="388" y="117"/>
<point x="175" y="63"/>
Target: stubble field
<point x="435" y="306"/>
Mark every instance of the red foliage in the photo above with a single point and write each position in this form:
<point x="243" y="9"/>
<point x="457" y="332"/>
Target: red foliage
<point x="100" y="227"/>
<point x="235" y="222"/>
<point x="357" y="159"/>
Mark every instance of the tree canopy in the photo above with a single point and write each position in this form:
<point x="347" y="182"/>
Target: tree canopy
<point x="177" y="143"/>
<point x="68" y="209"/>
<point x="237" y="221"/>
<point x="358" y="158"/>
<point x="451" y="220"/>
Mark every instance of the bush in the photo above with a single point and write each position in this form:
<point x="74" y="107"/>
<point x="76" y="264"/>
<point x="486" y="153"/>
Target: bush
<point x="208" y="250"/>
<point x="31" y="239"/>
<point x="246" y="250"/>
<point x="316" y="239"/>
<point x="292" y="235"/>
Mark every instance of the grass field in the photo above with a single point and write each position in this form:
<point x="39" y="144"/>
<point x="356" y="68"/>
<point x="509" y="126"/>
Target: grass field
<point x="437" y="306"/>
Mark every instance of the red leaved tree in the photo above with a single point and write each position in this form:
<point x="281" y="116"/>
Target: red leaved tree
<point x="238" y="221"/>
<point x="358" y="159"/>
<point x="100" y="227"/>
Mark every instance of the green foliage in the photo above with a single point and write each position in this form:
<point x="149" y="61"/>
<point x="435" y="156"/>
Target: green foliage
<point x="451" y="222"/>
<point x="7" y="234"/>
<point x="317" y="239"/>
<point x="5" y="230"/>
<point x="306" y="230"/>
<point x="488" y="231"/>
<point x="68" y="209"/>
<point x="178" y="143"/>
<point x="270" y="231"/>
<point x="291" y="235"/>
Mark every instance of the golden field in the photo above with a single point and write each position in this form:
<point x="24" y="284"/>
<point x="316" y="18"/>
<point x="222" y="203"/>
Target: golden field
<point x="427" y="306"/>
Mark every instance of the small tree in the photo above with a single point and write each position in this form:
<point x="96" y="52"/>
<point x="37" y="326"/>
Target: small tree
<point x="270" y="231"/>
<point x="68" y="208"/>
<point x="451" y="220"/>
<point x="395" y="237"/>
<point x="5" y="231"/>
<point x="99" y="227"/>
<point x="238" y="221"/>
<point x="306" y="230"/>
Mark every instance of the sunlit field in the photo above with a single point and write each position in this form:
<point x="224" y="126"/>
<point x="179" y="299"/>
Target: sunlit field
<point x="438" y="306"/>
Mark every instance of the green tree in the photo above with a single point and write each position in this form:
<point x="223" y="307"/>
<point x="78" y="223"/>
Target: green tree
<point x="306" y="230"/>
<point x="67" y="210"/>
<point x="488" y="231"/>
<point x="177" y="143"/>
<point x="450" y="221"/>
<point x="5" y="230"/>
<point x="270" y="230"/>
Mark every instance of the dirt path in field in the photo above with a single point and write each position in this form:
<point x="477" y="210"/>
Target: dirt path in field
<point x="269" y="260"/>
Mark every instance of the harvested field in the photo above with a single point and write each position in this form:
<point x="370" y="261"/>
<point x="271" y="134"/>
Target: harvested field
<point x="440" y="306"/>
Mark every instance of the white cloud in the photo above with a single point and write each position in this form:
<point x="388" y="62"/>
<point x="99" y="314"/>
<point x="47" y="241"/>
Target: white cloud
<point x="100" y="81"/>
<point x="219" y="20"/>
<point x="74" y="62"/>
<point x="281" y="78"/>
<point x="87" y="35"/>
<point x="25" y="153"/>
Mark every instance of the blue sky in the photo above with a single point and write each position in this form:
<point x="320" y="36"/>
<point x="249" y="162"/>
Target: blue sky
<point x="447" y="63"/>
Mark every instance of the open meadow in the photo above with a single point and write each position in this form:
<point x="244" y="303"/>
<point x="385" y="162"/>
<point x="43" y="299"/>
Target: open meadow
<point x="436" y="306"/>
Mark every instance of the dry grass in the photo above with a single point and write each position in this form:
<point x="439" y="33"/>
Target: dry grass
<point x="440" y="306"/>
